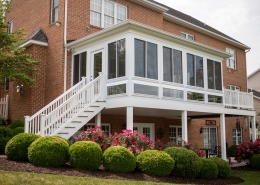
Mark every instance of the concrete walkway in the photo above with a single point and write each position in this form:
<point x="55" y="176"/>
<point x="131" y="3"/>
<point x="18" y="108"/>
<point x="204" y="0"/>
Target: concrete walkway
<point x="234" y="163"/>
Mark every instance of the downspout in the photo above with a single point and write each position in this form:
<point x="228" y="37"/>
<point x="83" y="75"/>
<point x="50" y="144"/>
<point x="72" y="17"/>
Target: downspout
<point x="65" y="42"/>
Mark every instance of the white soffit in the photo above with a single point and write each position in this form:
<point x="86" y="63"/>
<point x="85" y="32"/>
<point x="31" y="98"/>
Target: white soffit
<point x="151" y="5"/>
<point x="133" y="25"/>
<point x="253" y="73"/>
<point x="31" y="42"/>
<point x="181" y="22"/>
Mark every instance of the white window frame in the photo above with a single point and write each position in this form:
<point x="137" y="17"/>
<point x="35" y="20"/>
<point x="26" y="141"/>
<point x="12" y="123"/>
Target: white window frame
<point x="231" y="62"/>
<point x="177" y="139"/>
<point x="102" y="124"/>
<point x="102" y="13"/>
<point x="236" y="136"/>
<point x="140" y="127"/>
<point x="52" y="9"/>
<point x="10" y="27"/>
<point x="233" y="87"/>
<point x="186" y="36"/>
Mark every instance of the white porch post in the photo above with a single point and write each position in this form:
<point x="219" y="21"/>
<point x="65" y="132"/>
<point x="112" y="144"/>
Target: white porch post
<point x="98" y="119"/>
<point x="184" y="127"/>
<point x="223" y="136"/>
<point x="129" y="118"/>
<point x="253" y="129"/>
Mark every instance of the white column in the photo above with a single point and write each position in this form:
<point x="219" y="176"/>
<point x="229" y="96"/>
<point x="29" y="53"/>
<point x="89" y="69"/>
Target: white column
<point x="26" y="124"/>
<point x="184" y="126"/>
<point x="223" y="136"/>
<point x="129" y="118"/>
<point x="253" y="129"/>
<point x="98" y="119"/>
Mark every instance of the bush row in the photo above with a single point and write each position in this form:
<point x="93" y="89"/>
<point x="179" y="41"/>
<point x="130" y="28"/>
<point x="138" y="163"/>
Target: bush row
<point x="55" y="151"/>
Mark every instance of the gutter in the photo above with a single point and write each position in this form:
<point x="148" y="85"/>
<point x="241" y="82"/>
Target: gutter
<point x="65" y="48"/>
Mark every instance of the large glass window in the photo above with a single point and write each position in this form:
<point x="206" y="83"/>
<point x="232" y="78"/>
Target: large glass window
<point x="145" y="89"/>
<point x="195" y="70"/>
<point x="237" y="136"/>
<point x="112" y="13"/>
<point x="97" y="64"/>
<point x="195" y="96"/>
<point x="117" y="89"/>
<point x="172" y="65"/>
<point x="79" y="67"/>
<point x="173" y="93"/>
<point x="175" y="134"/>
<point x="54" y="10"/>
<point x="116" y="59"/>
<point x="231" y="62"/>
<point x="214" y="75"/>
<point x="146" y="59"/>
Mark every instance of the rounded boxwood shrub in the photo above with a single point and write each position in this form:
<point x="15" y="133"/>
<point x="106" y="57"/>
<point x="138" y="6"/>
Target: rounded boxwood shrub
<point x="154" y="162"/>
<point x="187" y="163"/>
<point x="85" y="155"/>
<point x="17" y="130"/>
<point x="209" y="169"/>
<point x="119" y="159"/>
<point x="17" y="147"/>
<point x="5" y="136"/>
<point x="255" y="161"/>
<point x="66" y="140"/>
<point x="17" y="123"/>
<point x="223" y="167"/>
<point x="232" y="151"/>
<point x="48" y="151"/>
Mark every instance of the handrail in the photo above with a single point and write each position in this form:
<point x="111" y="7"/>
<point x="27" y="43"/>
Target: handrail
<point x="235" y="98"/>
<point x="60" y="109"/>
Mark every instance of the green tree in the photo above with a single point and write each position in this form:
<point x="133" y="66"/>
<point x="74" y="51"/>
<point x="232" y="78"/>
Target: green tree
<point x="15" y="64"/>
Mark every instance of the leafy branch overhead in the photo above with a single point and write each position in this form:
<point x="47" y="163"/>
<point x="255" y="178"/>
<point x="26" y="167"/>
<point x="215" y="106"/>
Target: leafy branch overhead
<point x="15" y="64"/>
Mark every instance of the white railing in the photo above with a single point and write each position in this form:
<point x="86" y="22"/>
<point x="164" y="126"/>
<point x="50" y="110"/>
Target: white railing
<point x="61" y="110"/>
<point x="238" y="99"/>
<point x="4" y="107"/>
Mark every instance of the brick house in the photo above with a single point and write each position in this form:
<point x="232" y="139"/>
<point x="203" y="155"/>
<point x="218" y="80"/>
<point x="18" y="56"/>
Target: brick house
<point x="164" y="73"/>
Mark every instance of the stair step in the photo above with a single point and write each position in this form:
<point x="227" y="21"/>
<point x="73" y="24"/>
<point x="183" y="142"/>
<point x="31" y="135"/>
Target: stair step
<point x="70" y="127"/>
<point x="63" y="133"/>
<point x="83" y="116"/>
<point x="76" y="122"/>
<point x="89" y="111"/>
<point x="100" y="101"/>
<point x="94" y="106"/>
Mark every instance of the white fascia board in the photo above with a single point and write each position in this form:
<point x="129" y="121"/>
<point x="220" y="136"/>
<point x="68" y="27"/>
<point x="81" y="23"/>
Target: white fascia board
<point x="181" y="22"/>
<point x="142" y="102"/>
<point x="133" y="25"/>
<point x="253" y="72"/>
<point x="151" y="5"/>
<point x="31" y="42"/>
<point x="256" y="97"/>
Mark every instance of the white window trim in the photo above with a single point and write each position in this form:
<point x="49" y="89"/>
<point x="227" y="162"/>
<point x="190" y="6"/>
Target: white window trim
<point x="237" y="143"/>
<point x="102" y="124"/>
<point x="229" y="65"/>
<point x="177" y="137"/>
<point x="237" y="88"/>
<point x="187" y="36"/>
<point x="150" y="125"/>
<point x="52" y="8"/>
<point x="103" y="12"/>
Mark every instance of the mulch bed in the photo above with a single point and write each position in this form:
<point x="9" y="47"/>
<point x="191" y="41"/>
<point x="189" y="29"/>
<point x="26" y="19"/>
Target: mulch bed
<point x="8" y="165"/>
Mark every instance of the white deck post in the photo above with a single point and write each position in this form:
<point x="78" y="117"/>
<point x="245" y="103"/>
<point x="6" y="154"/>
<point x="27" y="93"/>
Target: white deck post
<point x="26" y="124"/>
<point x="102" y="86"/>
<point x="253" y="129"/>
<point x="42" y="124"/>
<point x="184" y="127"/>
<point x="98" y="119"/>
<point x="223" y="136"/>
<point x="129" y="118"/>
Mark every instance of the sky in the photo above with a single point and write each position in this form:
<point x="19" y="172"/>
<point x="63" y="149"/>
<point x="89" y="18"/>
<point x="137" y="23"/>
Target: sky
<point x="239" y="19"/>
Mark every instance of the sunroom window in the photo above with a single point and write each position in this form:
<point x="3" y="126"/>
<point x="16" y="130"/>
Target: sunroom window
<point x="214" y="75"/>
<point x="146" y="64"/>
<point x="104" y="13"/>
<point x="79" y="67"/>
<point x="195" y="70"/>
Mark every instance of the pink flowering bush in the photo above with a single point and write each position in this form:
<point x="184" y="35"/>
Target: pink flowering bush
<point x="195" y="149"/>
<point x="247" y="149"/>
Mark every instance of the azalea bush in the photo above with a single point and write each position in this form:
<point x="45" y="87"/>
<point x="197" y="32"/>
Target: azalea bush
<point x="195" y="149"/>
<point x="247" y="149"/>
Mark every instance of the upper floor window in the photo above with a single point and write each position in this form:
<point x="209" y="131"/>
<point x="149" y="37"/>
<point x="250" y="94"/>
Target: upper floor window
<point x="146" y="64"/>
<point x="10" y="27"/>
<point x="109" y="15"/>
<point x="233" y="87"/>
<point x="214" y="75"/>
<point x="54" y="10"/>
<point x="231" y="62"/>
<point x="195" y="70"/>
<point x="187" y="36"/>
<point x="116" y="59"/>
<point x="172" y="65"/>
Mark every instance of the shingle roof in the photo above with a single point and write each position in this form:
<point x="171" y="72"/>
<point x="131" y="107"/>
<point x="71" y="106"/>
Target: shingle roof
<point x="192" y="20"/>
<point x="38" y="35"/>
<point x="255" y="93"/>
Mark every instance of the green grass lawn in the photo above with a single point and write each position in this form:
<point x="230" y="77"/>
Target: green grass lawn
<point x="22" y="178"/>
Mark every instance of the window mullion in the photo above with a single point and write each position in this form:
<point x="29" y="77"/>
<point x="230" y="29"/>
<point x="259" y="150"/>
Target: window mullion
<point x="145" y="55"/>
<point x="117" y="72"/>
<point x="115" y="13"/>
<point x="194" y="70"/>
<point x="172" y="66"/>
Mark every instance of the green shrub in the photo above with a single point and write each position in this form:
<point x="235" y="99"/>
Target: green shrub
<point x="17" y="123"/>
<point x="3" y="121"/>
<point x="48" y="151"/>
<point x="187" y="163"/>
<point x="17" y="147"/>
<point x="223" y="167"/>
<point x="154" y="162"/>
<point x="232" y="151"/>
<point x="17" y="130"/>
<point x="209" y="169"/>
<point x="66" y="140"/>
<point x="119" y="159"/>
<point x="255" y="161"/>
<point x="5" y="136"/>
<point x="85" y="155"/>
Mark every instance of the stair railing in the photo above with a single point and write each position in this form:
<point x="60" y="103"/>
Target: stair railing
<point x="57" y="113"/>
